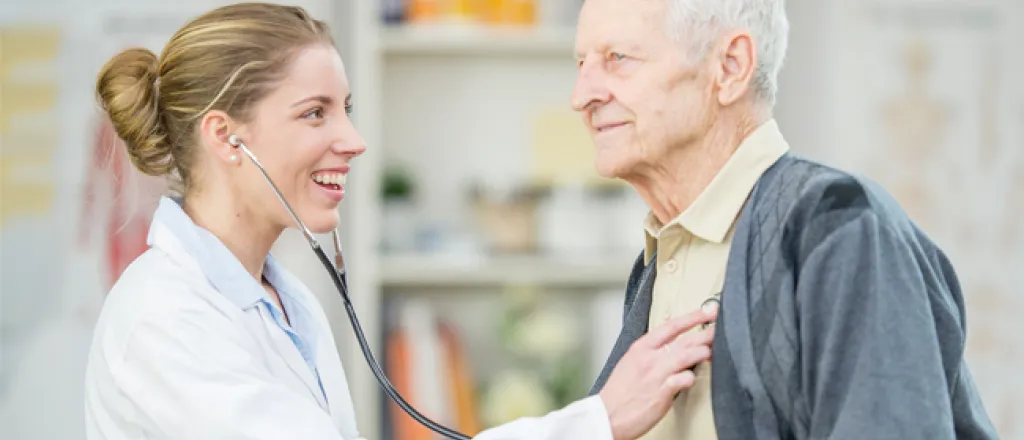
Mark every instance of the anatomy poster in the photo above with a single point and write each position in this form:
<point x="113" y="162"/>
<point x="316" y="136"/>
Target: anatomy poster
<point x="926" y="102"/>
<point x="74" y="215"/>
<point x="29" y="90"/>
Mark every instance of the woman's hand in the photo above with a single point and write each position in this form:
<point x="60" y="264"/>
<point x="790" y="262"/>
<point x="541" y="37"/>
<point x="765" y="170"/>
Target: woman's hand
<point x="641" y="388"/>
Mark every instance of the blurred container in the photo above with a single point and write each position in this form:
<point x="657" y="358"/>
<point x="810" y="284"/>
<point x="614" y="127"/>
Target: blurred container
<point x="400" y="225"/>
<point x="393" y="11"/>
<point x="558" y="13"/>
<point x="428" y="11"/>
<point x="508" y="226"/>
<point x="570" y="222"/>
<point x="510" y="12"/>
<point x="507" y="219"/>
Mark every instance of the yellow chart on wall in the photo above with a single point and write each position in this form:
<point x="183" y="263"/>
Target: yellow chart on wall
<point x="28" y="119"/>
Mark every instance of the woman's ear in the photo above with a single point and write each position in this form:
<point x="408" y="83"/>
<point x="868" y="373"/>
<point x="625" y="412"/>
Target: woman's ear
<point x="214" y="130"/>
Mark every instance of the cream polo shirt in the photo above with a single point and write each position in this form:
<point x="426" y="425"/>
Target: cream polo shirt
<point x="692" y="252"/>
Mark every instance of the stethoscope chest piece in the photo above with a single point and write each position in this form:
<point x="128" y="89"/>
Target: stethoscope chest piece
<point x="714" y="300"/>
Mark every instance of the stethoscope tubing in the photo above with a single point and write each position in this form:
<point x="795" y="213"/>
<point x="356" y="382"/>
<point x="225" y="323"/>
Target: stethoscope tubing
<point x="338" y="276"/>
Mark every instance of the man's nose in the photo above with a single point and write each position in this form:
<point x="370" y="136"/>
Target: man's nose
<point x="590" y="85"/>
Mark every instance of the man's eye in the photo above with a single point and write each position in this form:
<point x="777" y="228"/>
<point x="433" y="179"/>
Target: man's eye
<point x="615" y="56"/>
<point x="348" y="109"/>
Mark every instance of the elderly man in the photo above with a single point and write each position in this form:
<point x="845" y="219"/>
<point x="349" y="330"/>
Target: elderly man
<point x="839" y="318"/>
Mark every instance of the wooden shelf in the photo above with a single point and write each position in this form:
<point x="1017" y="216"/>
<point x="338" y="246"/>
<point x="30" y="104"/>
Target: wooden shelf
<point x="475" y="40"/>
<point x="434" y="271"/>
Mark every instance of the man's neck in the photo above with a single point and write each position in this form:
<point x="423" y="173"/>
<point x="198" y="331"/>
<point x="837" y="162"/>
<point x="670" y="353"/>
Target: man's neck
<point x="672" y="186"/>
<point x="232" y="224"/>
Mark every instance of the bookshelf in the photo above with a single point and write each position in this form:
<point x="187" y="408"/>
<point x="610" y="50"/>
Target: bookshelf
<point x="414" y="87"/>
<point x="417" y="271"/>
<point x="476" y="40"/>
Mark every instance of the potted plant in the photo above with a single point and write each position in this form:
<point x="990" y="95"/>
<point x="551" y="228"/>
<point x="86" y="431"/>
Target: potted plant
<point x="398" y="191"/>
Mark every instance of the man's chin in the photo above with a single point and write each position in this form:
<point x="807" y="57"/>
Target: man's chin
<point x="612" y="161"/>
<point x="612" y="169"/>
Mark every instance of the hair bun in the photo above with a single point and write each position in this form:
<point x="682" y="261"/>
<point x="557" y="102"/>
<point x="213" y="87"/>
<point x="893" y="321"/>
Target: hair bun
<point x="127" y="90"/>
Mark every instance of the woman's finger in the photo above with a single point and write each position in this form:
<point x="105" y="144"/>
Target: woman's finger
<point x="699" y="337"/>
<point x="680" y="381"/>
<point x="680" y="358"/>
<point x="674" y="327"/>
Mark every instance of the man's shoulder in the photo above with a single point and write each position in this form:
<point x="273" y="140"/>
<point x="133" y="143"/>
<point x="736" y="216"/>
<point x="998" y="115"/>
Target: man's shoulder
<point x="806" y="203"/>
<point x="826" y="194"/>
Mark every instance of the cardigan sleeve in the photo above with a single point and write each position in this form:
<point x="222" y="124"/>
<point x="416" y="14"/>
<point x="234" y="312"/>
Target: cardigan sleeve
<point x="881" y="335"/>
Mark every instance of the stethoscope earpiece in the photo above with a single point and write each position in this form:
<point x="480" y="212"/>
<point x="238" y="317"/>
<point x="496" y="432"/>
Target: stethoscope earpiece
<point x="233" y="140"/>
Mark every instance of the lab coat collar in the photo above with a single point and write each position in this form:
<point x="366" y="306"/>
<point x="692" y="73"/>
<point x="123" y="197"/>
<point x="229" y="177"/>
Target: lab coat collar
<point x="174" y="232"/>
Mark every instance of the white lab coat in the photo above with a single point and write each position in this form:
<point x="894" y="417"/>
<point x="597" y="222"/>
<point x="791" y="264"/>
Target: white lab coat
<point x="187" y="347"/>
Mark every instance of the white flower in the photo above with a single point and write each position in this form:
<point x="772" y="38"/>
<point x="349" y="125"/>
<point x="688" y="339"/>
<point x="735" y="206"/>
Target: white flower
<point x="513" y="395"/>
<point x="546" y="335"/>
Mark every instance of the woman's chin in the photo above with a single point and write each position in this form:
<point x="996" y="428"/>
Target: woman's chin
<point x="325" y="222"/>
<point x="321" y="229"/>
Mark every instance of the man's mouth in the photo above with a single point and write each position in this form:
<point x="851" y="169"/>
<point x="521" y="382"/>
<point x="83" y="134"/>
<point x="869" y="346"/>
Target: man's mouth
<point x="329" y="179"/>
<point x="609" y="126"/>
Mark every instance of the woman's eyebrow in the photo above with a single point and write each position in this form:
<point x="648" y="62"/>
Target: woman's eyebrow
<point x="326" y="100"/>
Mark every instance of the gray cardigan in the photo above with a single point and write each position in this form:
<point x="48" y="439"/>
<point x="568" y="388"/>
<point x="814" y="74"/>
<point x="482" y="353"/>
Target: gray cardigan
<point x="839" y="319"/>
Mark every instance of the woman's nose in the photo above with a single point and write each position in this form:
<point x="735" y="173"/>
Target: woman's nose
<point x="350" y="142"/>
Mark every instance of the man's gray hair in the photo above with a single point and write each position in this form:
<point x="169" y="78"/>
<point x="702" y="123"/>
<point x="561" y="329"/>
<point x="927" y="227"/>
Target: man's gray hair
<point x="700" y="21"/>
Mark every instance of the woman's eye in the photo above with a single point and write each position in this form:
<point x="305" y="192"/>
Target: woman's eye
<point x="348" y="109"/>
<point x="615" y="56"/>
<point x="316" y="113"/>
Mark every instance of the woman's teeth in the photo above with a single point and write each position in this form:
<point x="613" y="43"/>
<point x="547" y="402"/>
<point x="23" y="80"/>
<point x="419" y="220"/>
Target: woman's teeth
<point x="329" y="178"/>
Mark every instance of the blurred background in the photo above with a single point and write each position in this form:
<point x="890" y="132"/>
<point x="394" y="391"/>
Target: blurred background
<point x="487" y="260"/>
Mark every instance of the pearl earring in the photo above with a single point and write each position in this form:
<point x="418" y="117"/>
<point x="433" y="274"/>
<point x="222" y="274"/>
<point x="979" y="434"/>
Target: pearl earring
<point x="234" y="158"/>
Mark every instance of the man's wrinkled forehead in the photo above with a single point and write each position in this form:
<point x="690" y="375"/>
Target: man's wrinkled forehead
<point x="606" y="22"/>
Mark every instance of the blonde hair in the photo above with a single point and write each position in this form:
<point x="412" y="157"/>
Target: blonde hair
<point x="227" y="59"/>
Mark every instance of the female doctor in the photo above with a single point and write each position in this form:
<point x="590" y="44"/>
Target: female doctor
<point x="205" y="335"/>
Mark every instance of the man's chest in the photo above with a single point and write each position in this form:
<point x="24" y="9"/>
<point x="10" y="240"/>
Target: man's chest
<point x="689" y="271"/>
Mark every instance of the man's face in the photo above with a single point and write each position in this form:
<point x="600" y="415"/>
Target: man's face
<point x="639" y="95"/>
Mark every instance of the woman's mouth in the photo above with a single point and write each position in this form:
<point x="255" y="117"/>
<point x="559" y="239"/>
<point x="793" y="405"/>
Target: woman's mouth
<point x="332" y="182"/>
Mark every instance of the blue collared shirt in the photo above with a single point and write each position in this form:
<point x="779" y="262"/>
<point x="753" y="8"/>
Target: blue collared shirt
<point x="231" y="279"/>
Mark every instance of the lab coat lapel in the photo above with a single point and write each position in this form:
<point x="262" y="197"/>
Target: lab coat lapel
<point x="174" y="232"/>
<point x="285" y="348"/>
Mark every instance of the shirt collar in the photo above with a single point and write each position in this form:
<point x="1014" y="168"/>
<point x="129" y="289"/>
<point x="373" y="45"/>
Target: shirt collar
<point x="714" y="211"/>
<point x="174" y="231"/>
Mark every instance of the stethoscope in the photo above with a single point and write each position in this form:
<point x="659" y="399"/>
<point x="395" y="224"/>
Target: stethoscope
<point x="341" y="283"/>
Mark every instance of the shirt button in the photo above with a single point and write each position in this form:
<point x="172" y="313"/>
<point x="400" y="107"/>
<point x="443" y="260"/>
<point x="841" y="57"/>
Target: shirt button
<point x="670" y="266"/>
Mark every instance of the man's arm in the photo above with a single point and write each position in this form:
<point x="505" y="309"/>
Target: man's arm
<point x="873" y="327"/>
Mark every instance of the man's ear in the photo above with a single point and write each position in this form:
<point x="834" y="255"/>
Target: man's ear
<point x="737" y="64"/>
<point x="214" y="129"/>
